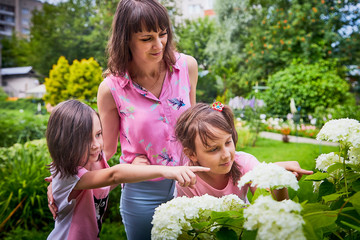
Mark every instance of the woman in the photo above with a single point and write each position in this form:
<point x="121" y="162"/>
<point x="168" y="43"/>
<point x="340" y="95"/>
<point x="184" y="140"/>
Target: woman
<point x="148" y="85"/>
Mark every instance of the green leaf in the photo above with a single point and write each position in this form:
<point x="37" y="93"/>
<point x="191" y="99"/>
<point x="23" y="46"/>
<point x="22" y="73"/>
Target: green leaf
<point x="310" y="233"/>
<point x="318" y="176"/>
<point x="226" y="234"/>
<point x="231" y="218"/>
<point x="335" y="167"/>
<point x="356" y="185"/>
<point x="320" y="219"/>
<point x="249" y="235"/>
<point x="351" y="225"/>
<point x="326" y="188"/>
<point x="333" y="197"/>
<point x="314" y="207"/>
<point x="258" y="193"/>
<point x="355" y="200"/>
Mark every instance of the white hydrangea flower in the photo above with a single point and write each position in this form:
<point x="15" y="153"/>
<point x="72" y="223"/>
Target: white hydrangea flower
<point x="324" y="161"/>
<point x="316" y="185"/>
<point x="269" y="175"/>
<point x="173" y="217"/>
<point x="274" y="220"/>
<point x="341" y="130"/>
<point x="354" y="155"/>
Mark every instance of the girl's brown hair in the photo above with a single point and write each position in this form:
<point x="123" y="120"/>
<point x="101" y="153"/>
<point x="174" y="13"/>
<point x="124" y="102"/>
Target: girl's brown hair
<point x="69" y="136"/>
<point x="131" y="17"/>
<point x="196" y="121"/>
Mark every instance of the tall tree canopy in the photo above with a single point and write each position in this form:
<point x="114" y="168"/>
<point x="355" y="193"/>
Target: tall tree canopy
<point x="265" y="36"/>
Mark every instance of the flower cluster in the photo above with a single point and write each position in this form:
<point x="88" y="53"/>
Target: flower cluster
<point x="326" y="160"/>
<point x="240" y="103"/>
<point x="269" y="176"/>
<point x="174" y="217"/>
<point x="274" y="220"/>
<point x="344" y="130"/>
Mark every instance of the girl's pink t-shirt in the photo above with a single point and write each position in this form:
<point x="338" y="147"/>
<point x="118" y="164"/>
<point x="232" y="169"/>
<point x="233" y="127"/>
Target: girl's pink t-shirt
<point x="81" y="217"/>
<point x="246" y="162"/>
<point x="147" y="123"/>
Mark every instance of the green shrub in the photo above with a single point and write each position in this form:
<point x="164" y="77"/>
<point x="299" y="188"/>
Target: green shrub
<point x="19" y="126"/>
<point x="26" y="104"/>
<point x="23" y="200"/>
<point x="3" y="95"/>
<point x="310" y="85"/>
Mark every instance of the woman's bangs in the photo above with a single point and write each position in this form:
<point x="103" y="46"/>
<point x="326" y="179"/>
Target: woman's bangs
<point x="148" y="19"/>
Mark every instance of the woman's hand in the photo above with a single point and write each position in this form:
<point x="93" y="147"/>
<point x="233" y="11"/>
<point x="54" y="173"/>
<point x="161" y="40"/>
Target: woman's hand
<point x="185" y="175"/>
<point x="51" y="204"/>
<point x="294" y="167"/>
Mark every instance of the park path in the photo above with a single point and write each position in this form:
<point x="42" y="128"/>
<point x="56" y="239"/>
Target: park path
<point x="277" y="136"/>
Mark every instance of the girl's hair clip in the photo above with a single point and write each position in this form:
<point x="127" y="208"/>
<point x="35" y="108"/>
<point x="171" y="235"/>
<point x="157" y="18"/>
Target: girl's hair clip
<point x="218" y="106"/>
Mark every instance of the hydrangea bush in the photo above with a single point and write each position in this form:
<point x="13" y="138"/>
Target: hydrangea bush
<point x="336" y="214"/>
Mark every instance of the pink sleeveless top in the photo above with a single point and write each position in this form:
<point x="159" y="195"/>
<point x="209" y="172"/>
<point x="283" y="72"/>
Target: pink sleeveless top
<point x="146" y="122"/>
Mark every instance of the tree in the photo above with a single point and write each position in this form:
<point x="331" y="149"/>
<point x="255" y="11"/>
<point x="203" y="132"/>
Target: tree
<point x="60" y="30"/>
<point x="84" y="79"/>
<point x="193" y="37"/>
<point x="56" y="83"/>
<point x="266" y="36"/>
<point x="14" y="51"/>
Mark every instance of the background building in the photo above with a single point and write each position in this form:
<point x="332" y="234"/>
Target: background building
<point x="16" y="15"/>
<point x="192" y="9"/>
<point x="18" y="81"/>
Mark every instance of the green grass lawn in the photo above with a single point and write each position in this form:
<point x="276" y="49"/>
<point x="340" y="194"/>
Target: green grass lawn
<point x="267" y="150"/>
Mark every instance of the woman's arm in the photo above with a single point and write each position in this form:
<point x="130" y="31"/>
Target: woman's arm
<point x="294" y="167"/>
<point x="129" y="173"/>
<point x="109" y="119"/>
<point x="193" y="74"/>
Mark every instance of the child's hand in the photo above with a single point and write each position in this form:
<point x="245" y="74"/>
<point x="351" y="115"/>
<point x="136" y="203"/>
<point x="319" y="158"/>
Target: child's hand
<point x="51" y="204"/>
<point x="184" y="175"/>
<point x="294" y="167"/>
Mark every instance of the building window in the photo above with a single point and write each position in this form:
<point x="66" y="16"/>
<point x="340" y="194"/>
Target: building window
<point x="25" y="21"/>
<point x="7" y="8"/>
<point x="4" y="83"/>
<point x="25" y="11"/>
<point x="25" y="31"/>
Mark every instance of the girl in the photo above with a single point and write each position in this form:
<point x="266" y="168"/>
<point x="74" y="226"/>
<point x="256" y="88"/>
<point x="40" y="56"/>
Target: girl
<point x="81" y="175"/>
<point x="209" y="137"/>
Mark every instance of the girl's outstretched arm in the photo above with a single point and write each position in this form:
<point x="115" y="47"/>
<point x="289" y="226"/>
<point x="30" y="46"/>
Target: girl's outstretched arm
<point x="129" y="173"/>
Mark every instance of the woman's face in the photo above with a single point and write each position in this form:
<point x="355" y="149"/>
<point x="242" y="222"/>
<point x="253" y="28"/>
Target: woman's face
<point x="148" y="47"/>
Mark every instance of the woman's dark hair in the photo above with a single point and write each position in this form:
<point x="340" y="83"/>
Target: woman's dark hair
<point x="196" y="121"/>
<point x="69" y="136"/>
<point x="131" y="17"/>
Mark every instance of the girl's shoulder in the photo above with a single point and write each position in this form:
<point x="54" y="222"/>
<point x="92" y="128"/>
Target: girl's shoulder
<point x="245" y="160"/>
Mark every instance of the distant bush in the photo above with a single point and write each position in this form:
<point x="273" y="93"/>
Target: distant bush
<point x="19" y="126"/>
<point x="26" y="104"/>
<point x="3" y="95"/>
<point x="310" y="85"/>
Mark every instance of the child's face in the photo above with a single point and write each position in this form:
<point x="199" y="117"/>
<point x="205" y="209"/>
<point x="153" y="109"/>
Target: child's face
<point x="219" y="156"/>
<point x="97" y="143"/>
